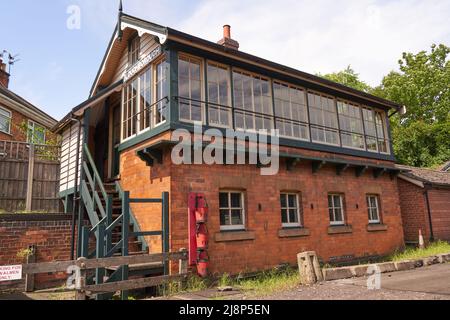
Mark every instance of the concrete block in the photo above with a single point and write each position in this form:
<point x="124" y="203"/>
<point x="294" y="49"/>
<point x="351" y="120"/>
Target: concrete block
<point x="386" y="267"/>
<point x="359" y="271"/>
<point x="337" y="273"/>
<point x="309" y="268"/>
<point x="405" y="265"/>
<point x="430" y="260"/>
<point x="443" y="258"/>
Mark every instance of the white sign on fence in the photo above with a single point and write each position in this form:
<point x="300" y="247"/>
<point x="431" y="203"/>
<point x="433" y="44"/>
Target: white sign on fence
<point x="10" y="273"/>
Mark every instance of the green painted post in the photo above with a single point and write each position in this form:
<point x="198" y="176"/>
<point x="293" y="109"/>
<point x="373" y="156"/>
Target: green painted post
<point x="100" y="253"/>
<point x="85" y="242"/>
<point x="109" y="221"/>
<point x="165" y="229"/>
<point x="125" y="237"/>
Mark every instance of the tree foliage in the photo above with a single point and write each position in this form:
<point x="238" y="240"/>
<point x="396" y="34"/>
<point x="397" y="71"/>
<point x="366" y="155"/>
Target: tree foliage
<point x="422" y="136"/>
<point x="349" y="78"/>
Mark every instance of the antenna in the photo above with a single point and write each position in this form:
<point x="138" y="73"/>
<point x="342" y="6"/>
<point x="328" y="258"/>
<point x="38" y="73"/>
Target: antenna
<point x="12" y="59"/>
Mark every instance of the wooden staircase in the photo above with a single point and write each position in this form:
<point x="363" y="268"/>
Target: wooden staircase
<point x="114" y="228"/>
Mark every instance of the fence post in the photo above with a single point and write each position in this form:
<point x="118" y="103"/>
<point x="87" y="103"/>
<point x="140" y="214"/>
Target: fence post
<point x="29" y="199"/>
<point x="165" y="229"/>
<point x="183" y="267"/>
<point x="81" y="293"/>
<point x="29" y="278"/>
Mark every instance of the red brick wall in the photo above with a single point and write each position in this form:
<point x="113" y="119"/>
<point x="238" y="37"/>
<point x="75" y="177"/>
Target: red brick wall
<point x="16" y="133"/>
<point x="52" y="236"/>
<point x="440" y="213"/>
<point x="268" y="249"/>
<point x="414" y="211"/>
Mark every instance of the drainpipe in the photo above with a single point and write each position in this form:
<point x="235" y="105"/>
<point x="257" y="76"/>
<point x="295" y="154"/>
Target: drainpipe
<point x="76" y="196"/>
<point x="430" y="220"/>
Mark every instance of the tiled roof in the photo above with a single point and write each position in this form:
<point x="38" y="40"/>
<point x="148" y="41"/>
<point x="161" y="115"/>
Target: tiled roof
<point x="426" y="175"/>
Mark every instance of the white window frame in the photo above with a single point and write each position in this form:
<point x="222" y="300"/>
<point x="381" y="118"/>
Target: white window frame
<point x="202" y="90"/>
<point x="229" y="102"/>
<point x="153" y="72"/>
<point x="136" y="51"/>
<point x="341" y="199"/>
<point x="233" y="227"/>
<point x="288" y="208"/>
<point x="7" y="117"/>
<point x="291" y="121"/>
<point x="350" y="118"/>
<point x="370" y="208"/>
<point x="155" y="93"/>
<point x="323" y="112"/>
<point x="32" y="126"/>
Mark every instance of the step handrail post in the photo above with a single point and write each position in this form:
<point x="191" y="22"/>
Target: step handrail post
<point x="109" y="221"/>
<point x="165" y="229"/>
<point x="125" y="236"/>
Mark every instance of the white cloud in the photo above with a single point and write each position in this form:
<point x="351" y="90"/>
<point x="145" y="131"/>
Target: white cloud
<point x="326" y="36"/>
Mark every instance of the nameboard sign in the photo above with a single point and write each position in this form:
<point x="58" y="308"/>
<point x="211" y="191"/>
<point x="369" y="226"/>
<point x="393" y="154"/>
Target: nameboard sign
<point x="10" y="273"/>
<point x="141" y="64"/>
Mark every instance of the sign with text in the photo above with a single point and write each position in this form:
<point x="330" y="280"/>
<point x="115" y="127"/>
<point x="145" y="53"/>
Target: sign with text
<point x="141" y="64"/>
<point x="10" y="273"/>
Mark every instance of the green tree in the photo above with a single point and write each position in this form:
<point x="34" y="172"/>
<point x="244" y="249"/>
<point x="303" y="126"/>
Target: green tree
<point x="422" y="136"/>
<point x="423" y="85"/>
<point x="349" y="78"/>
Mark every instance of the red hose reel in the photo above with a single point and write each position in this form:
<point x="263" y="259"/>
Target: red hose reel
<point x="198" y="233"/>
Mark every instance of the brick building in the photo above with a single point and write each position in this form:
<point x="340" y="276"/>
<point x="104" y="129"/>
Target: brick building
<point x="425" y="203"/>
<point x="336" y="191"/>
<point x="19" y="119"/>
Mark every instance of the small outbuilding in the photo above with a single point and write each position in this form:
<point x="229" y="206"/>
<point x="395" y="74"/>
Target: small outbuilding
<point x="425" y="203"/>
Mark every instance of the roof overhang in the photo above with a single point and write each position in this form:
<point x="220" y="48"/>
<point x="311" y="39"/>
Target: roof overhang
<point x="99" y="97"/>
<point x="28" y="110"/>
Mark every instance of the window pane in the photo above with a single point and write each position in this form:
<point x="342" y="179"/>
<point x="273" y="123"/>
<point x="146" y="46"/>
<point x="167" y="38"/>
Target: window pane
<point x="338" y="215"/>
<point x="293" y="216"/>
<point x="337" y="201"/>
<point x="224" y="218"/>
<point x="223" y="200"/>
<point x="284" y="216"/>
<point x="236" y="200"/>
<point x="331" y="212"/>
<point x="236" y="217"/>
<point x="292" y="201"/>
<point x="283" y="201"/>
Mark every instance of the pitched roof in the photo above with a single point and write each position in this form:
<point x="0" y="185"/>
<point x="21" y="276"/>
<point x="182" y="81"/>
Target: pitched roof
<point x="426" y="176"/>
<point x="26" y="104"/>
<point x="445" y="167"/>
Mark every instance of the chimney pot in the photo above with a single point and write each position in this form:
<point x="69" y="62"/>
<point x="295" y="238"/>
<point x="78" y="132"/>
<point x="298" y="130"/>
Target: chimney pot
<point x="227" y="31"/>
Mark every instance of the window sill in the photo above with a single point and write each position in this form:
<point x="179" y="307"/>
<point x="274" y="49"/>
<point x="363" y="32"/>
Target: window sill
<point x="340" y="229"/>
<point x="230" y="236"/>
<point x="376" y="227"/>
<point x="293" y="232"/>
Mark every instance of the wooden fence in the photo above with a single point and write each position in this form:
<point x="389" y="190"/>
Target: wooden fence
<point x="29" y="177"/>
<point x="83" y="265"/>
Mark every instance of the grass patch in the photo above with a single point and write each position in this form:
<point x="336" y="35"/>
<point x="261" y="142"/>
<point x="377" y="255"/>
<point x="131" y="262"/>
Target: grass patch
<point x="432" y="249"/>
<point x="269" y="282"/>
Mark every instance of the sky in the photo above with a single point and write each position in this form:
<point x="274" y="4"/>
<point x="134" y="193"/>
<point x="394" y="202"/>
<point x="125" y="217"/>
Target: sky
<point x="58" y="64"/>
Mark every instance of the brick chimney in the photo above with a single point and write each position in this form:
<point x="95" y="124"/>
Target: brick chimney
<point x="227" y="41"/>
<point x="4" y="76"/>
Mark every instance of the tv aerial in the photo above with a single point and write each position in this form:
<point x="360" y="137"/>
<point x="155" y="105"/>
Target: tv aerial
<point x="11" y="59"/>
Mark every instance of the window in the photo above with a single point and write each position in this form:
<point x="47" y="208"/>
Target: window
<point x="36" y="133"/>
<point x="381" y="132"/>
<point x="336" y="209"/>
<point x="291" y="111"/>
<point x="219" y="95"/>
<point x="371" y="131"/>
<point x="134" y="48"/>
<point x="232" y="213"/>
<point x="374" y="209"/>
<point x="324" y="121"/>
<point x="161" y="92"/>
<point x="5" y="121"/>
<point x="351" y="125"/>
<point x="190" y="89"/>
<point x="252" y="101"/>
<point x="130" y="107"/>
<point x="145" y="100"/>
<point x="290" y="210"/>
